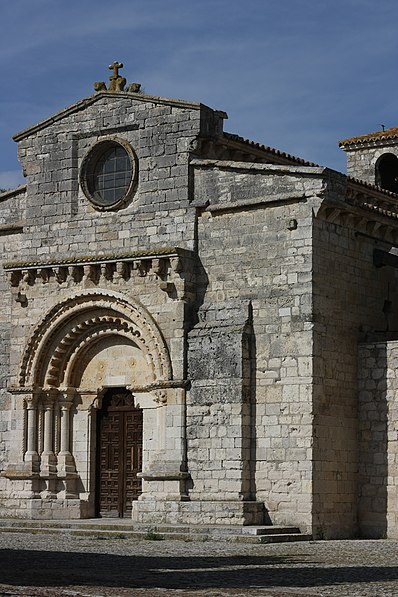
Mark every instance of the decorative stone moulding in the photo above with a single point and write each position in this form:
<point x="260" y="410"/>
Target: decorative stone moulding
<point x="380" y="203"/>
<point x="165" y="265"/>
<point x="125" y="178"/>
<point x="71" y="327"/>
<point x="370" y="212"/>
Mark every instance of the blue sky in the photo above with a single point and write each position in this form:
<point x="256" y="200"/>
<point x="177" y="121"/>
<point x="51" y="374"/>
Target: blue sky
<point x="295" y="74"/>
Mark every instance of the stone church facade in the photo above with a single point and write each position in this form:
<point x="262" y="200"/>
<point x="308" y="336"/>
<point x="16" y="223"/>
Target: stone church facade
<point x="196" y="328"/>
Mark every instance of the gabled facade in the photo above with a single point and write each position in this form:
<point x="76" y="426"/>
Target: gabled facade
<point x="196" y="328"/>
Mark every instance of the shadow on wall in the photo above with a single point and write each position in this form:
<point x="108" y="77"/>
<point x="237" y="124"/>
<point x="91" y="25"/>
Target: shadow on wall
<point x="373" y="424"/>
<point x="249" y="418"/>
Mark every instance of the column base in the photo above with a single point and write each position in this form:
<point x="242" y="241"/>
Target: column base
<point x="48" y="464"/>
<point x="49" y="509"/>
<point x="66" y="463"/>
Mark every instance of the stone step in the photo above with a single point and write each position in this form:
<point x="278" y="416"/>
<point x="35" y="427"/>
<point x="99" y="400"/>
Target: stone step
<point x="121" y="529"/>
<point x="284" y="538"/>
<point x="269" y="530"/>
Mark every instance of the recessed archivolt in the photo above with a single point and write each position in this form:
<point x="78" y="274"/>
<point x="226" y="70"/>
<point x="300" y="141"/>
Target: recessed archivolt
<point x="71" y="326"/>
<point x="68" y="360"/>
<point x="83" y="354"/>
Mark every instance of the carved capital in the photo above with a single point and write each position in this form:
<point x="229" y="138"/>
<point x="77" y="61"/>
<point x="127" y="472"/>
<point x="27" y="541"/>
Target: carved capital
<point x="66" y="398"/>
<point x="160" y="397"/>
<point x="30" y="402"/>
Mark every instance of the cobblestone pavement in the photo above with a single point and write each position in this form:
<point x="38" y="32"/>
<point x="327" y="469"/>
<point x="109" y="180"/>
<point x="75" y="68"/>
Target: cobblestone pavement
<point x="64" y="566"/>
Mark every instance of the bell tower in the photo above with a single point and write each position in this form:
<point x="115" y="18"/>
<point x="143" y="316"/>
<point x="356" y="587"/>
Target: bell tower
<point x="373" y="158"/>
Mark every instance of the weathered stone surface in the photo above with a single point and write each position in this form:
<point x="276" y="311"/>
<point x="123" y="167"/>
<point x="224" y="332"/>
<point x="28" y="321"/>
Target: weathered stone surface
<point x="228" y="294"/>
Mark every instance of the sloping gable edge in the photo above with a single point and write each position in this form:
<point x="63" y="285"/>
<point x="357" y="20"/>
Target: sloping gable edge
<point x="84" y="103"/>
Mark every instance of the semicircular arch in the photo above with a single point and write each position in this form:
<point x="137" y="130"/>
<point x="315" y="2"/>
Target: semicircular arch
<point x="70" y="326"/>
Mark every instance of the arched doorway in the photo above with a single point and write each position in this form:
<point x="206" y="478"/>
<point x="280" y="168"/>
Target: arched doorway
<point x="96" y="381"/>
<point x="118" y="453"/>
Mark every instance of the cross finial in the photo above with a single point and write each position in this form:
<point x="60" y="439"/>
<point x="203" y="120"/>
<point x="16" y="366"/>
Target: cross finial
<point x="115" y="66"/>
<point x="117" y="82"/>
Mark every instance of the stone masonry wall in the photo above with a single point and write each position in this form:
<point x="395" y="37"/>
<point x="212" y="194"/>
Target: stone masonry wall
<point x="255" y="247"/>
<point x="11" y="218"/>
<point x="283" y="297"/>
<point x="361" y="162"/>
<point x="349" y="294"/>
<point x="219" y="411"/>
<point x="57" y="222"/>
<point x="378" y="429"/>
<point x="61" y="221"/>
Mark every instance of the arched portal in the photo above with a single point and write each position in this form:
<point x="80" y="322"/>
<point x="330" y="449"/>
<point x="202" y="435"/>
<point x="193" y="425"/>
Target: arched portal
<point x="61" y="343"/>
<point x="82" y="350"/>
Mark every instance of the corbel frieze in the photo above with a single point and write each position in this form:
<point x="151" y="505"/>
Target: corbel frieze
<point x="365" y="213"/>
<point x="172" y="269"/>
<point x="372" y="200"/>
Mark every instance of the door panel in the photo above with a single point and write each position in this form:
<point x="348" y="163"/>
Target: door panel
<point x="133" y="434"/>
<point x="119" y="454"/>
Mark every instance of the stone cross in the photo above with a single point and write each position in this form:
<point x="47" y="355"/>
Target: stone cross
<point x="115" y="66"/>
<point x="117" y="82"/>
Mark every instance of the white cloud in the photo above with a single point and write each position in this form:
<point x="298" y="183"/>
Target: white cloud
<point x="11" y="179"/>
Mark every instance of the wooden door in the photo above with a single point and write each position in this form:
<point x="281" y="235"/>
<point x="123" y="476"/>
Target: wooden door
<point x="119" y="453"/>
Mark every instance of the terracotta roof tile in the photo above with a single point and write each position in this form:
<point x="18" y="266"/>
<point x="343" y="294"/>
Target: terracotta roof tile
<point x="286" y="157"/>
<point x="391" y="133"/>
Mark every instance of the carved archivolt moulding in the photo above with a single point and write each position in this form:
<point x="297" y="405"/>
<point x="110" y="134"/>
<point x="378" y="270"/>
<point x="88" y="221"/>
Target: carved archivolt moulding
<point x="61" y="339"/>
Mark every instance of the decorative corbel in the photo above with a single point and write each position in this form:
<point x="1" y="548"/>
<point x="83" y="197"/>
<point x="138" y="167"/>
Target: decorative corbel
<point x="15" y="278"/>
<point x="29" y="276"/>
<point x="142" y="268"/>
<point x="76" y="273"/>
<point x="90" y="274"/>
<point x="176" y="264"/>
<point x="159" y="267"/>
<point x="122" y="270"/>
<point x="45" y="273"/>
<point x="61" y="274"/>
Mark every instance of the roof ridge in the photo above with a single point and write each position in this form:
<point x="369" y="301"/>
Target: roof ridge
<point x="268" y="149"/>
<point x="386" y="134"/>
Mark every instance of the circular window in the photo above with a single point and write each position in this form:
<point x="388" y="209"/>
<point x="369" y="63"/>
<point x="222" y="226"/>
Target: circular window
<point x="109" y="174"/>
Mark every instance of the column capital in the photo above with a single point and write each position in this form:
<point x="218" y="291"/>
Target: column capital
<point x="30" y="401"/>
<point x="66" y="398"/>
<point x="49" y="398"/>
